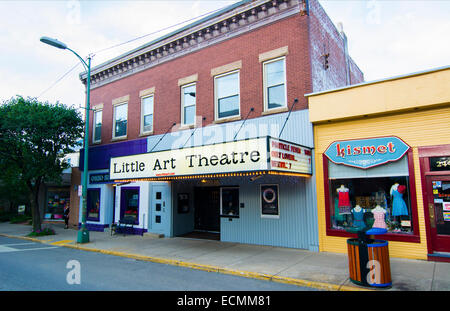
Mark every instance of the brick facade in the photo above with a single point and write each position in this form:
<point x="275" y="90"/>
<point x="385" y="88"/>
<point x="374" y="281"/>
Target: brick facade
<point x="302" y="34"/>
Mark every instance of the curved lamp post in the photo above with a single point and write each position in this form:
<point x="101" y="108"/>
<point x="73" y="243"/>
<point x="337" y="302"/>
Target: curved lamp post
<point x="83" y="233"/>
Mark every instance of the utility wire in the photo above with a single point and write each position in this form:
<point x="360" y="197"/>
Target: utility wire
<point x="62" y="77"/>
<point x="126" y="42"/>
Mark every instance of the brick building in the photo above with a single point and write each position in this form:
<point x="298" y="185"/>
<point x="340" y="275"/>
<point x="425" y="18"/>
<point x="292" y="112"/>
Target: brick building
<point x="206" y="128"/>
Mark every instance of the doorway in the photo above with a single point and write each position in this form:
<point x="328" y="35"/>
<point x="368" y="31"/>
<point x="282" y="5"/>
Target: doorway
<point x="160" y="210"/>
<point x="207" y="209"/>
<point x="438" y="204"/>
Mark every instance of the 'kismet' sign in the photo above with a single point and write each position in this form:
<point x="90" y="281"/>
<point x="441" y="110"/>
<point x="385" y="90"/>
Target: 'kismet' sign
<point x="366" y="153"/>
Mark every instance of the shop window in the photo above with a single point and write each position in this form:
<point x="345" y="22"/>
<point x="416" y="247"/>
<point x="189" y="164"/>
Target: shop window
<point x="129" y="204"/>
<point x="93" y="204"/>
<point x="147" y="114"/>
<point x="57" y="200"/>
<point x="275" y="84"/>
<point x="120" y="120"/>
<point x="227" y="95"/>
<point x="97" y="137"/>
<point x="188" y="101"/>
<point x="378" y="197"/>
<point x="229" y="201"/>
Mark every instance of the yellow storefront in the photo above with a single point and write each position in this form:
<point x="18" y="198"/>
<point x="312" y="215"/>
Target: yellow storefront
<point x="382" y="159"/>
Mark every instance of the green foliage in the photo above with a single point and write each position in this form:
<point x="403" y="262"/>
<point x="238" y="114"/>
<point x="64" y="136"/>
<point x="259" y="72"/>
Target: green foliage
<point x="34" y="137"/>
<point x="45" y="231"/>
<point x="20" y="219"/>
<point x="7" y="216"/>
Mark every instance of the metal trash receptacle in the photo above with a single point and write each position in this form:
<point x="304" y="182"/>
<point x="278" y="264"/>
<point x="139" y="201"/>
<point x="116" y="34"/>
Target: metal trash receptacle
<point x="368" y="259"/>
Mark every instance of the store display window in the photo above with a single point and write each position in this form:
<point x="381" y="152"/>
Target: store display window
<point x="57" y="199"/>
<point x="129" y="204"/>
<point x="229" y="201"/>
<point x="378" y="197"/>
<point x="93" y="204"/>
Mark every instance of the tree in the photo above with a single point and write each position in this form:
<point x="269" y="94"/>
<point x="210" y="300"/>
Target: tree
<point x="34" y="137"/>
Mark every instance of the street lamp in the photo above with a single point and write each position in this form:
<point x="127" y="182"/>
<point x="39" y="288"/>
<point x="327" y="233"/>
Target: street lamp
<point x="83" y="233"/>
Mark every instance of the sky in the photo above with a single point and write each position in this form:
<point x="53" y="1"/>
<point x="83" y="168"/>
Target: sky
<point x="386" y="38"/>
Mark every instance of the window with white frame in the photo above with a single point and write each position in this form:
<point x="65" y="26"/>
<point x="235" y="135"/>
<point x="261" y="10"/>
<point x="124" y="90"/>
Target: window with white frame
<point x="275" y="83"/>
<point x="147" y="103"/>
<point x="97" y="135"/>
<point x="227" y="100"/>
<point x="188" y="101"/>
<point x="120" y="120"/>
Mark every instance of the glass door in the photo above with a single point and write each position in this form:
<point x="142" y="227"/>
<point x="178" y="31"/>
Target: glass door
<point x="439" y="212"/>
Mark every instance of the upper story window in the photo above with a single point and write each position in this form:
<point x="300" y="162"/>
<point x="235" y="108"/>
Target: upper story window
<point x="147" y="104"/>
<point x="227" y="99"/>
<point x="275" y="83"/>
<point x="188" y="101"/>
<point x="120" y="120"/>
<point x="97" y="135"/>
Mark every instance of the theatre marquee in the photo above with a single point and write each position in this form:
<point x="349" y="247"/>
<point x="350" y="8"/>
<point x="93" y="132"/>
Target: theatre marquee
<point x="250" y="155"/>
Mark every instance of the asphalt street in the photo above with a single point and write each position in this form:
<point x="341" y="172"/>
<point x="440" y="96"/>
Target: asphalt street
<point x="30" y="266"/>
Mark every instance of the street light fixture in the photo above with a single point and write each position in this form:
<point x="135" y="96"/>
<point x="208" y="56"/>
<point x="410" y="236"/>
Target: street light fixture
<point x="83" y="233"/>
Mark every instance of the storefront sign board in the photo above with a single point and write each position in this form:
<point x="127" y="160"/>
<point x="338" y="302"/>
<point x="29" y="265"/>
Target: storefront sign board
<point x="289" y="157"/>
<point x="248" y="155"/>
<point x="242" y="156"/>
<point x="366" y="153"/>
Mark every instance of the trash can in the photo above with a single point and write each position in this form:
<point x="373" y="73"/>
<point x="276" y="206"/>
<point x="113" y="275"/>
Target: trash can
<point x="368" y="259"/>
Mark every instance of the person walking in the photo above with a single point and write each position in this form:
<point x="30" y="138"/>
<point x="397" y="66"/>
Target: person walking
<point x="66" y="216"/>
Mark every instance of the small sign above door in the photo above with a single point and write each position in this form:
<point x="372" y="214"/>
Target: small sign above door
<point x="440" y="164"/>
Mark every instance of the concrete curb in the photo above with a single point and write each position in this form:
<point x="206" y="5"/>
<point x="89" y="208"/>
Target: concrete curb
<point x="203" y="267"/>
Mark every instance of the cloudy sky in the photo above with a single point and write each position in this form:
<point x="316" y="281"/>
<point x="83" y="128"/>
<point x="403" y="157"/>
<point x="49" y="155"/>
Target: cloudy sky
<point x="386" y="38"/>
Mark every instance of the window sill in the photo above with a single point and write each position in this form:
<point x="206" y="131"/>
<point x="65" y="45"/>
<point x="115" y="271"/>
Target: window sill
<point x="275" y="110"/>
<point x="146" y="134"/>
<point x="96" y="142"/>
<point x="398" y="237"/>
<point x="230" y="119"/>
<point x="186" y="127"/>
<point x="119" y="138"/>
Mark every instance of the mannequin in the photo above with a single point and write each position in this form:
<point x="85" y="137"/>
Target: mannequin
<point x="344" y="200"/>
<point x="344" y="205"/>
<point x="379" y="214"/>
<point x="399" y="207"/>
<point x="358" y="217"/>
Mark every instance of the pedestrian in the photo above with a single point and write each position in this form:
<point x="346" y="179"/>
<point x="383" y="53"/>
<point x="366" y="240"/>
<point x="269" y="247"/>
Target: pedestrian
<point x="66" y="216"/>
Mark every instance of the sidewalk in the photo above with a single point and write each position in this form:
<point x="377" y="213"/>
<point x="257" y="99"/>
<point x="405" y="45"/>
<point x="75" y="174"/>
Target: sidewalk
<point x="325" y="271"/>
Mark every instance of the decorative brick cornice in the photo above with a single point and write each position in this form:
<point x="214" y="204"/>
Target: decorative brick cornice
<point x="247" y="17"/>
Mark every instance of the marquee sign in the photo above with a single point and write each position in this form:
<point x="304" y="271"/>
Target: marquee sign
<point x="248" y="155"/>
<point x="289" y="157"/>
<point x="367" y="153"/>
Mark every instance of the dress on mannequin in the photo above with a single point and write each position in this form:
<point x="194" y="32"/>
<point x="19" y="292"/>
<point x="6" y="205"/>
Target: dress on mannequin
<point x="399" y="207"/>
<point x="358" y="217"/>
<point x="379" y="214"/>
<point x="344" y="200"/>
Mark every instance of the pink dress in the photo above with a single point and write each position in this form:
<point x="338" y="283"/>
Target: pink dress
<point x="379" y="220"/>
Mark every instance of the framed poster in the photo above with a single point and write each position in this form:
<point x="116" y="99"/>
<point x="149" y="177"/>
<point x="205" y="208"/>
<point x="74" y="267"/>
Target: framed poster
<point x="269" y="201"/>
<point x="183" y="203"/>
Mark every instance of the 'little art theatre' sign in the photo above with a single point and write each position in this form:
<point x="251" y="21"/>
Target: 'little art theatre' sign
<point x="264" y="153"/>
<point x="366" y="153"/>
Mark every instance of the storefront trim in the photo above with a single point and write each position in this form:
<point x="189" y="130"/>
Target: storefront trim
<point x="414" y="238"/>
<point x="425" y="153"/>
